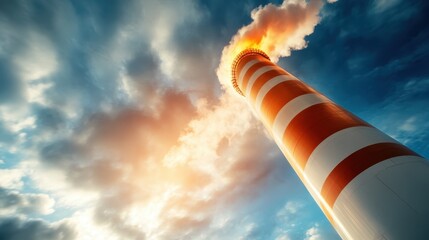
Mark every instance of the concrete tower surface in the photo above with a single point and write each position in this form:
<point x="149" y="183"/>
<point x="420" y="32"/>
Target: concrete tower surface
<point x="368" y="185"/>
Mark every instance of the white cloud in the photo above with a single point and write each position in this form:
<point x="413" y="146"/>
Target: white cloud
<point x="55" y="182"/>
<point x="205" y="135"/>
<point x="313" y="233"/>
<point x="88" y="229"/>
<point x="164" y="19"/>
<point x="11" y="178"/>
<point x="400" y="115"/>
<point x="293" y="207"/>
<point x="17" y="118"/>
<point x="290" y="209"/>
<point x="35" y="92"/>
<point x="383" y="5"/>
<point x="283" y="237"/>
<point x="290" y="221"/>
<point x="37" y="59"/>
<point x="409" y="125"/>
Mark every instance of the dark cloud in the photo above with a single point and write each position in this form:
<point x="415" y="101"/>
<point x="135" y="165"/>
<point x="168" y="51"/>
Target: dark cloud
<point x="18" y="203"/>
<point x="144" y="65"/>
<point x="105" y="18"/>
<point x="24" y="17"/>
<point x="74" y="83"/>
<point x="19" y="229"/>
<point x="24" y="13"/>
<point x="60" y="153"/>
<point x="6" y="136"/>
<point x="49" y="118"/>
<point x="198" y="61"/>
<point x="10" y="87"/>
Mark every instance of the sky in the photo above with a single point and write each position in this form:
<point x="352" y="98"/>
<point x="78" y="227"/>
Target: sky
<point x="117" y="119"/>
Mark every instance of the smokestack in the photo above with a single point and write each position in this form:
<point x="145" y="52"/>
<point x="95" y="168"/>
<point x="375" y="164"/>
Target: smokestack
<point x="368" y="185"/>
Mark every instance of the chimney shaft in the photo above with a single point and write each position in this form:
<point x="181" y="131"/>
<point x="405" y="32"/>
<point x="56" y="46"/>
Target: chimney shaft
<point x="368" y="185"/>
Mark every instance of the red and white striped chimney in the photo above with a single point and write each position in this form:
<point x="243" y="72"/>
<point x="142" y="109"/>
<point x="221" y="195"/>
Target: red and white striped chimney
<point x="368" y="185"/>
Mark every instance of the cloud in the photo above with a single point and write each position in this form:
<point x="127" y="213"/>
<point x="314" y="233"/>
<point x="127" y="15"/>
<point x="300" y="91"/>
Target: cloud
<point x="10" y="90"/>
<point x="11" y="178"/>
<point x="383" y="5"/>
<point x="6" y="135"/>
<point x="114" y="155"/>
<point x="56" y="184"/>
<point x="27" y="49"/>
<point x="408" y="125"/>
<point x="313" y="233"/>
<point x="283" y="237"/>
<point x="48" y="118"/>
<point x="13" y="202"/>
<point x="17" y="228"/>
<point x="293" y="207"/>
<point x="163" y="27"/>
<point x="189" y="66"/>
<point x="37" y="59"/>
<point x="288" y="214"/>
<point x="156" y="180"/>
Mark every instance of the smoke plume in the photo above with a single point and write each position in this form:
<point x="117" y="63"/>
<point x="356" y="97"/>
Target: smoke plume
<point x="276" y="30"/>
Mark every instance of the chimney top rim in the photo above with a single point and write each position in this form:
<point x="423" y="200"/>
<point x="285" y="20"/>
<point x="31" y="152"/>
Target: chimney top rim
<point x="238" y="58"/>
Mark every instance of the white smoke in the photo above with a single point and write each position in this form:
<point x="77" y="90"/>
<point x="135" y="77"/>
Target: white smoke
<point x="276" y="30"/>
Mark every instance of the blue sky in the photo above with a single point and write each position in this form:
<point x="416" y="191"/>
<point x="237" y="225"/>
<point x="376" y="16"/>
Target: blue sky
<point x="113" y="123"/>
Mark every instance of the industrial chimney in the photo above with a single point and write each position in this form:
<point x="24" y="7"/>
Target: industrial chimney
<point x="368" y="185"/>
